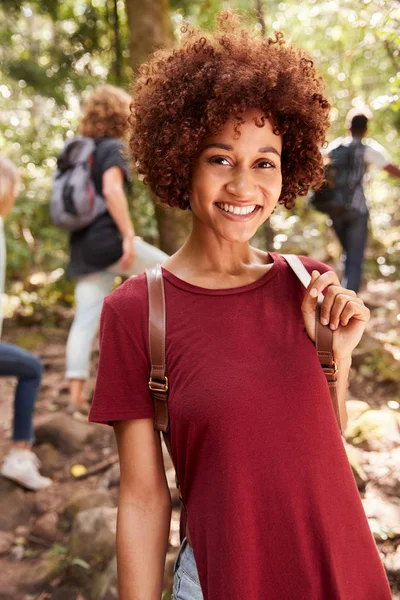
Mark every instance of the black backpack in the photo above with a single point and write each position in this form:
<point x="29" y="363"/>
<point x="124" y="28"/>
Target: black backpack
<point x="343" y="177"/>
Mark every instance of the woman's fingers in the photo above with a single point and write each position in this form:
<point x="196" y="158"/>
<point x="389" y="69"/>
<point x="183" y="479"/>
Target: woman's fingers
<point x="310" y="300"/>
<point x="336" y="298"/>
<point x="339" y="304"/>
<point x="322" y="282"/>
<point x="318" y="284"/>
<point x="356" y="310"/>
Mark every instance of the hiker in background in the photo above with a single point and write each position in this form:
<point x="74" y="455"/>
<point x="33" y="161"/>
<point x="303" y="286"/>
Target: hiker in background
<point x="107" y="246"/>
<point x="343" y="197"/>
<point x="21" y="464"/>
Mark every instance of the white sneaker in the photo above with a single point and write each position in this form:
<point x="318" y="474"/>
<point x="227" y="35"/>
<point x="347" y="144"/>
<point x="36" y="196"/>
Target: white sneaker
<point x="22" y="466"/>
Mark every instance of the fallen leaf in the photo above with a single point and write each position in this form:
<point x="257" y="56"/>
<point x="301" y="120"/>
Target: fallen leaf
<point x="78" y="470"/>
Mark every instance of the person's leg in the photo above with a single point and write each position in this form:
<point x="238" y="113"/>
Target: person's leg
<point x="341" y="227"/>
<point x="16" y="362"/>
<point x="21" y="464"/>
<point x="90" y="292"/>
<point x="357" y="235"/>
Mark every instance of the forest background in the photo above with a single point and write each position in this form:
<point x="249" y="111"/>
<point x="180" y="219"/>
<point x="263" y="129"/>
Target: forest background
<point x="53" y="52"/>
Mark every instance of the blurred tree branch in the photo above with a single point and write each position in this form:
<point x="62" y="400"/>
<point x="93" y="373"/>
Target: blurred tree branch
<point x="117" y="43"/>
<point x="392" y="53"/>
<point x="260" y="16"/>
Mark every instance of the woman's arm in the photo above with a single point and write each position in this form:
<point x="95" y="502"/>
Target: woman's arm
<point x="345" y="313"/>
<point x="144" y="511"/>
<point x="342" y="385"/>
<point x="117" y="204"/>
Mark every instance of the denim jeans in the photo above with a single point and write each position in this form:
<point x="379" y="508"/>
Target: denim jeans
<point x="352" y="231"/>
<point x="16" y="362"/>
<point x="90" y="292"/>
<point x="186" y="579"/>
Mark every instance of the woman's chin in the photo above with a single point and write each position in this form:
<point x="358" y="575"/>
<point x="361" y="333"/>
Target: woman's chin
<point x="242" y="237"/>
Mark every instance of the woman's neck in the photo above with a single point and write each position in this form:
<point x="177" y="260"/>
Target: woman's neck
<point x="217" y="263"/>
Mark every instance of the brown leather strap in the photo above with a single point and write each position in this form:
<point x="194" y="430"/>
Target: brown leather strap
<point x="158" y="382"/>
<point x="323" y="336"/>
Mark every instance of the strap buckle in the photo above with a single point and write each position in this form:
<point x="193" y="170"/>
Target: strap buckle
<point x="158" y="386"/>
<point x="330" y="369"/>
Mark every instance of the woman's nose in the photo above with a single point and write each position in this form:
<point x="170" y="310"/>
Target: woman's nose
<point x="241" y="185"/>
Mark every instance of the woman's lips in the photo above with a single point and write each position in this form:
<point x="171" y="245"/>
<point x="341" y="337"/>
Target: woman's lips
<point x="238" y="217"/>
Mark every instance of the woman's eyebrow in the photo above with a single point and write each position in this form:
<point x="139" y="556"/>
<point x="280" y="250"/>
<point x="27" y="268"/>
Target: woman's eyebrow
<point x="262" y="150"/>
<point x="266" y="149"/>
<point x="220" y="146"/>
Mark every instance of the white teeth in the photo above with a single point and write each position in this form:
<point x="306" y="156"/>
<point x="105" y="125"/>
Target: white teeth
<point x="236" y="210"/>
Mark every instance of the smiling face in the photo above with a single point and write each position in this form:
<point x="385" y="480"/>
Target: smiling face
<point x="236" y="183"/>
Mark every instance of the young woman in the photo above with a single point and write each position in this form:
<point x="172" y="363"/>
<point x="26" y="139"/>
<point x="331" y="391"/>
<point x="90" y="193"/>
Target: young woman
<point x="228" y="126"/>
<point x="20" y="464"/>
<point x="108" y="247"/>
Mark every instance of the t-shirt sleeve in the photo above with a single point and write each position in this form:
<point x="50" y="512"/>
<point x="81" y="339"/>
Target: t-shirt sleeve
<point x="121" y="391"/>
<point x="375" y="154"/>
<point x="332" y="146"/>
<point x="114" y="154"/>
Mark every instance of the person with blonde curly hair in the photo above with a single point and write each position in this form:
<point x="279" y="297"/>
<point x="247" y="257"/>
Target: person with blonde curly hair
<point x="105" y="113"/>
<point x="20" y="464"/>
<point x="108" y="246"/>
<point x="227" y="126"/>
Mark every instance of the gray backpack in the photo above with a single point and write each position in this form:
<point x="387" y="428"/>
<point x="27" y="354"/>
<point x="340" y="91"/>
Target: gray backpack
<point x="74" y="201"/>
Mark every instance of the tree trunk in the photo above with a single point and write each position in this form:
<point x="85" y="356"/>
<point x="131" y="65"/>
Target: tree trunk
<point x="173" y="227"/>
<point x="117" y="43"/>
<point x="260" y="16"/>
<point x="150" y="28"/>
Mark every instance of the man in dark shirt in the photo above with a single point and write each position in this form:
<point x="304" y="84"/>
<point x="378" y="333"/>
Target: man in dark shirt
<point x="351" y="227"/>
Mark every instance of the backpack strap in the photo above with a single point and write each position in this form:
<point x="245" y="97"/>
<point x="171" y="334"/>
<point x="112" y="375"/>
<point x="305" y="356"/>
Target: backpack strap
<point x="323" y="336"/>
<point x="158" y="383"/>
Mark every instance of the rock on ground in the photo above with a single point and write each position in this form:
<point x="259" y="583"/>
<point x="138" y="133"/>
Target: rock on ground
<point x="375" y="430"/>
<point x="93" y="542"/>
<point x="82" y="502"/>
<point x="65" y="433"/>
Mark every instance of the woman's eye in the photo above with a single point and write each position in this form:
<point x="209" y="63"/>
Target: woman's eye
<point x="218" y="160"/>
<point x="265" y="164"/>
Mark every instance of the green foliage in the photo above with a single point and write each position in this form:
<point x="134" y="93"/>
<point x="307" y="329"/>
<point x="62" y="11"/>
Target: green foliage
<point x="380" y="366"/>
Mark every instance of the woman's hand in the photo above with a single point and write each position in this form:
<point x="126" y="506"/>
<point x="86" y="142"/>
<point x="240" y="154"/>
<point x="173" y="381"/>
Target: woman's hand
<point x="345" y="313"/>
<point x="128" y="253"/>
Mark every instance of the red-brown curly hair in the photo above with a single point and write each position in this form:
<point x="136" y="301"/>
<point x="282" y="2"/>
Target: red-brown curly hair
<point x="184" y="95"/>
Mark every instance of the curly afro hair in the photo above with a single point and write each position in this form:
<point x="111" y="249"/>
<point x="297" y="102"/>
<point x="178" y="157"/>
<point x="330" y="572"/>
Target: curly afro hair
<point x="184" y="95"/>
<point x="105" y="112"/>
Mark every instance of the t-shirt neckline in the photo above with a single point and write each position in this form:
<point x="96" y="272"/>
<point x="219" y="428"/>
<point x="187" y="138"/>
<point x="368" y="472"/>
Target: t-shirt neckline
<point x="195" y="289"/>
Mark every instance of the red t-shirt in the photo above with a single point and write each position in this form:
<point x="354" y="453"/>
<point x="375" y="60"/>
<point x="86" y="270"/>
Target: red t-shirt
<point x="273" y="509"/>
